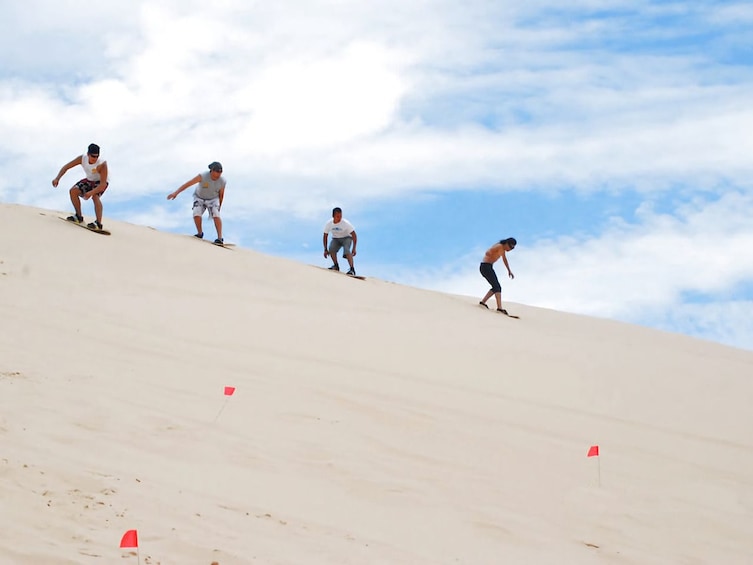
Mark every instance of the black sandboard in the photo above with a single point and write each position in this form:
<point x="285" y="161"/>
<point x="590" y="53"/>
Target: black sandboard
<point x="101" y="232"/>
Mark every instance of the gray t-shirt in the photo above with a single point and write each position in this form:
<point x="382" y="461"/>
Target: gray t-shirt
<point x="208" y="188"/>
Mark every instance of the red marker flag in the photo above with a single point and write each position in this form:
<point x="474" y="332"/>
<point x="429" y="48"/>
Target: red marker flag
<point x="593" y="451"/>
<point x="130" y="539"/>
<point x="229" y="390"/>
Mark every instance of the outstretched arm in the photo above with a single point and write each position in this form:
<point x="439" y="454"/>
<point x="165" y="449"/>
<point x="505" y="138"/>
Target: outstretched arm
<point x="324" y="241"/>
<point x="68" y="166"/>
<point x="184" y="186"/>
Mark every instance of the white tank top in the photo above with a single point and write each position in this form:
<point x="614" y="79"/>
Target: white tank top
<point x="92" y="169"/>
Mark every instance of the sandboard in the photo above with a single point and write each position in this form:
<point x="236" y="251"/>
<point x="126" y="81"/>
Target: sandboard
<point x="211" y="242"/>
<point x="359" y="277"/>
<point x="499" y="312"/>
<point x="103" y="232"/>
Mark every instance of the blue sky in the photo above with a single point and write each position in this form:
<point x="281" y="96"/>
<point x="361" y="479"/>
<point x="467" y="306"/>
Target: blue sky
<point x="612" y="139"/>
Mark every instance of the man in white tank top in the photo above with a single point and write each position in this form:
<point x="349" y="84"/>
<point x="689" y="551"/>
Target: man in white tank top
<point x="93" y="185"/>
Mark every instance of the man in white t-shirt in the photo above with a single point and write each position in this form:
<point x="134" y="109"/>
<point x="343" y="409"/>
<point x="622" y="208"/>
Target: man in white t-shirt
<point x="343" y="235"/>
<point x="93" y="185"/>
<point x="207" y="196"/>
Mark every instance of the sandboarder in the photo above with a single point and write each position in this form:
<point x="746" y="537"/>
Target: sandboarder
<point x="207" y="196"/>
<point x="343" y="235"/>
<point x="487" y="270"/>
<point x="92" y="186"/>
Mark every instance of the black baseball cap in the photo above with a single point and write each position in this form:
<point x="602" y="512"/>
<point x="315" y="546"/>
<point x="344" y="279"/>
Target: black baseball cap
<point x="93" y="149"/>
<point x="215" y="166"/>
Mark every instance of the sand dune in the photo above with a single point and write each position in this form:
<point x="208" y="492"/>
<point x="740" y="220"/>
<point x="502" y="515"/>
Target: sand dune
<point x="372" y="423"/>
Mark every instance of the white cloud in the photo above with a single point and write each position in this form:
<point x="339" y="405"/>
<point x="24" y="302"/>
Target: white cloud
<point x="639" y="272"/>
<point x="389" y="99"/>
<point x="734" y="13"/>
<point x="315" y="102"/>
<point x="729" y="322"/>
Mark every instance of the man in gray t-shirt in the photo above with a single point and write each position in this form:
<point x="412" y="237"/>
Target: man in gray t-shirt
<point x="208" y="195"/>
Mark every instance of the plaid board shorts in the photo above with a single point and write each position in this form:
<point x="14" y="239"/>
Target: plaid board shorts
<point x="86" y="185"/>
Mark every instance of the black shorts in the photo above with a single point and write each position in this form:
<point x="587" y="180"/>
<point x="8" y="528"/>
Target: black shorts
<point x="487" y="271"/>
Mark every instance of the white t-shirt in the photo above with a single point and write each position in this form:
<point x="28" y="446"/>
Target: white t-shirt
<point x="343" y="228"/>
<point x="92" y="169"/>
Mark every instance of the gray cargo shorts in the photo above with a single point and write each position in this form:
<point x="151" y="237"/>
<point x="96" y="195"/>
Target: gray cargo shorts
<point x="338" y="243"/>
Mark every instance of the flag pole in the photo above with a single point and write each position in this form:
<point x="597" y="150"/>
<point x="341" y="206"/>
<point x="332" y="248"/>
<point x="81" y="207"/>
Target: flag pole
<point x="229" y="391"/>
<point x="593" y="451"/>
<point x="221" y="409"/>
<point x="599" y="467"/>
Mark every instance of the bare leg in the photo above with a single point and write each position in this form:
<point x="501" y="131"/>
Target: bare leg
<point x="97" y="207"/>
<point x="487" y="297"/>
<point x="218" y="227"/>
<point x="197" y="221"/>
<point x="75" y="193"/>
<point x="349" y="257"/>
<point x="498" y="298"/>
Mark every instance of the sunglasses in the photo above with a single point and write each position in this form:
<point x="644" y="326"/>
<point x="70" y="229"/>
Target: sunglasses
<point x="95" y="155"/>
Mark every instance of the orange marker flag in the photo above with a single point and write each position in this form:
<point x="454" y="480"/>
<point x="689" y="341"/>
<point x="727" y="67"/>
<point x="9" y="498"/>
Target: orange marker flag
<point x="593" y="451"/>
<point x="130" y="539"/>
<point x="229" y="391"/>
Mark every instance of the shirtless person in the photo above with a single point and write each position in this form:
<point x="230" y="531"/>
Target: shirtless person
<point x="487" y="270"/>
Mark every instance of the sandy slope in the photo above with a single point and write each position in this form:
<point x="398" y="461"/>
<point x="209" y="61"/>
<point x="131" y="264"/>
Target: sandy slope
<point x="372" y="423"/>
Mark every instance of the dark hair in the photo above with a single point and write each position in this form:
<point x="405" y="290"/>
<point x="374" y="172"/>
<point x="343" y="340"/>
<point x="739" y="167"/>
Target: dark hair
<point x="93" y="149"/>
<point x="511" y="240"/>
<point x="336" y="210"/>
<point x="215" y="166"/>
